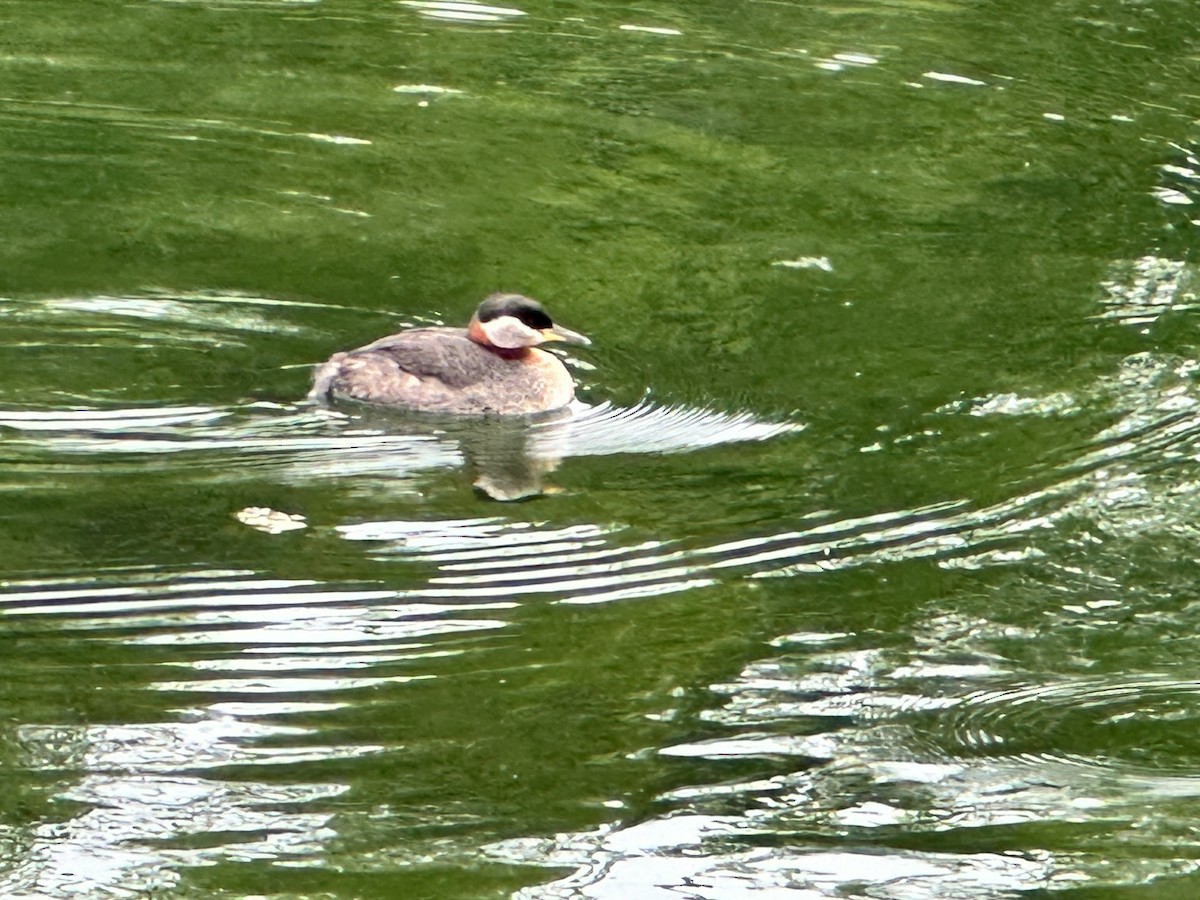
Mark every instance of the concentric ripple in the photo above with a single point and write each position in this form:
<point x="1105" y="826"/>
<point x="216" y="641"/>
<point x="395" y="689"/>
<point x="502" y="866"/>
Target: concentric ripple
<point x="1127" y="723"/>
<point x="494" y="559"/>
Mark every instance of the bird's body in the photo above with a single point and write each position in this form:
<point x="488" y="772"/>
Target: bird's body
<point x="492" y="366"/>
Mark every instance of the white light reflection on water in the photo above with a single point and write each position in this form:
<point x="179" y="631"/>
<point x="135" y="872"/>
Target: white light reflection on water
<point x="606" y="430"/>
<point x="862" y="743"/>
<point x="207" y="310"/>
<point x="1138" y="293"/>
<point x="840" y="61"/>
<point x="139" y="795"/>
<point x="280" y="641"/>
<point x="664" y="859"/>
<point x="107" y="420"/>
<point x="301" y="445"/>
<point x="653" y="29"/>
<point x="950" y="78"/>
<point x="915" y="751"/>
<point x="303" y="442"/>
<point x="270" y="651"/>
<point x="228" y="310"/>
<point x="462" y="11"/>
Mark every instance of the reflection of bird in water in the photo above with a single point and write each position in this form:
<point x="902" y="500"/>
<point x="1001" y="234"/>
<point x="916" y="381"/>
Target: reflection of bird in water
<point x="497" y="453"/>
<point x="500" y="462"/>
<point x="491" y="366"/>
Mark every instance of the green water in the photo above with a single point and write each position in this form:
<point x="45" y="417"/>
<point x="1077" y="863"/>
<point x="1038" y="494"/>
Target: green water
<point x="868" y="567"/>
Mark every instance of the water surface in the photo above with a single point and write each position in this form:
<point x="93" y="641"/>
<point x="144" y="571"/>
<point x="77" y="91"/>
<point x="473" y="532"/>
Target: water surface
<point x="865" y="565"/>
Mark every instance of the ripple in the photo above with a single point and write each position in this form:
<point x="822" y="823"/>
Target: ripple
<point x="607" y="430"/>
<point x="1059" y="403"/>
<point x="325" y="627"/>
<point x="1161" y="412"/>
<point x="107" y="420"/>
<point x="130" y="829"/>
<point x="1134" y="724"/>
<point x="490" y="561"/>
<point x="510" y="458"/>
<point x="1180" y="186"/>
<point x="690" y="855"/>
<point x="273" y="656"/>
<point x="1139" y="293"/>
<point x="131" y="346"/>
<point x="302" y="444"/>
<point x="40" y="116"/>
<point x="494" y="559"/>
<point x="203" y="740"/>
<point x="929" y="740"/>
<point x="230" y="311"/>
<point x="497" y="560"/>
<point x="204" y="310"/>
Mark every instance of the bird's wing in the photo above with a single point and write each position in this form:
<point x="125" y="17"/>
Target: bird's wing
<point x="446" y="354"/>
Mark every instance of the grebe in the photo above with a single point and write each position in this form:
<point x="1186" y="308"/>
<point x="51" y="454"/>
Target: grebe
<point x="491" y="366"/>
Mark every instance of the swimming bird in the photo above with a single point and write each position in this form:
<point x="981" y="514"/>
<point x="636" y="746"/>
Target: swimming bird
<point x="491" y="366"/>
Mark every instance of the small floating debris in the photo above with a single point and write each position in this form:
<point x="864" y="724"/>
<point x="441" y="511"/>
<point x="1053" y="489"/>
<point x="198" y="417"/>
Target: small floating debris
<point x="805" y="262"/>
<point x="268" y="520"/>
<point x="1054" y="117"/>
<point x="953" y="79"/>
<point x="647" y="29"/>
